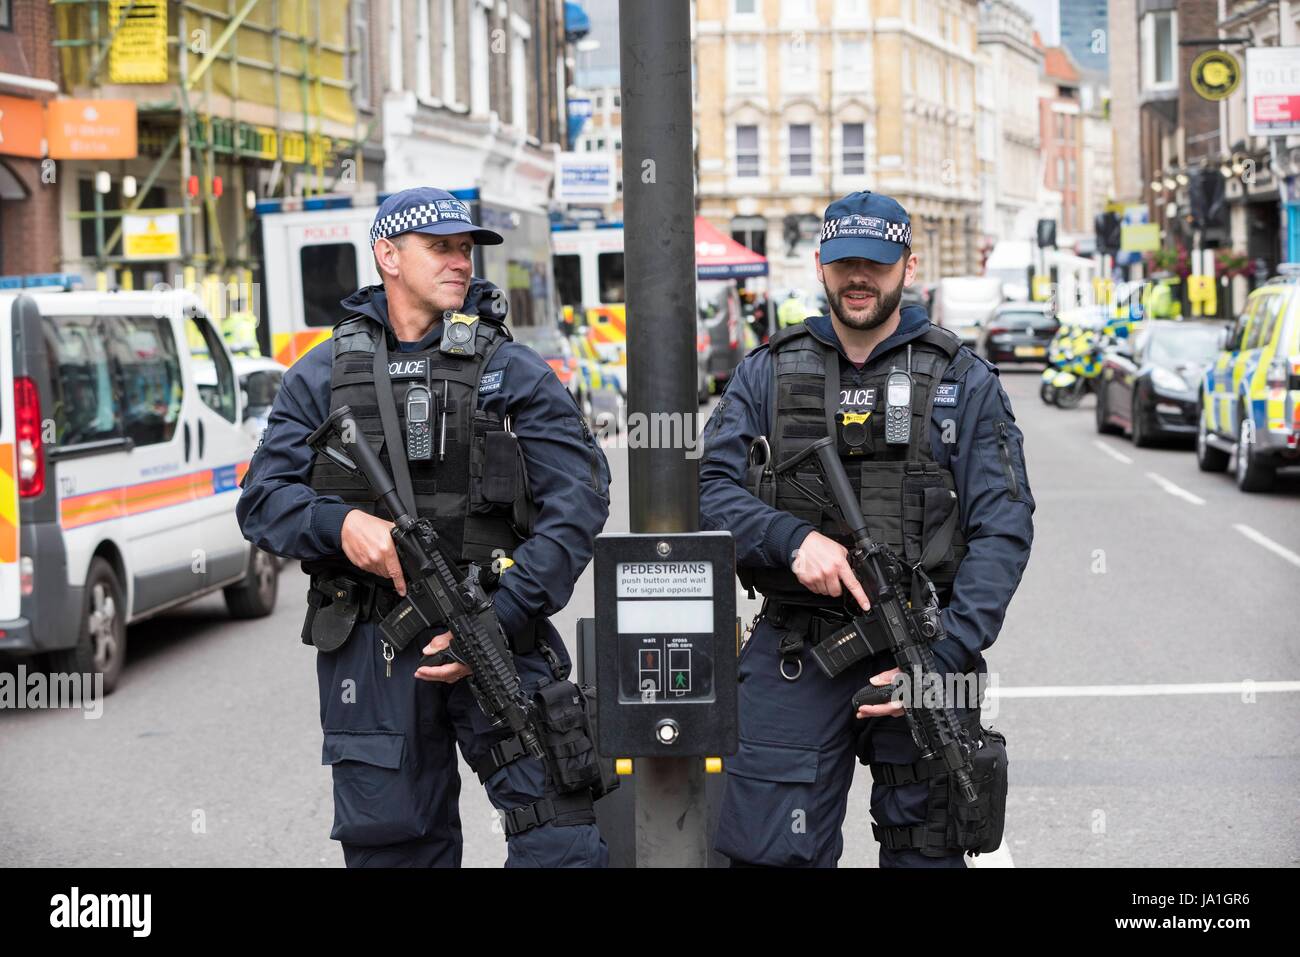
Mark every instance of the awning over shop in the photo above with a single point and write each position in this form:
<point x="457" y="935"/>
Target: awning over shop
<point x="720" y="257"/>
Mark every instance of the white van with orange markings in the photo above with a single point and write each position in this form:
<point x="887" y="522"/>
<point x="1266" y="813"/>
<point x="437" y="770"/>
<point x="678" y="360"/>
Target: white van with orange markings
<point x="121" y="449"/>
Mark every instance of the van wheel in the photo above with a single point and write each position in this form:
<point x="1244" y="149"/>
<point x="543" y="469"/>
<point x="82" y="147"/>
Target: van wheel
<point x="1208" y="458"/>
<point x="1251" y="474"/>
<point x="254" y="597"/>
<point x="101" y="643"/>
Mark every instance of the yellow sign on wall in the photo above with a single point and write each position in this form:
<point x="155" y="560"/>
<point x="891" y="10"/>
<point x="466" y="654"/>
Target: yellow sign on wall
<point x="1215" y="75"/>
<point x="139" y="51"/>
<point x="151" y="237"/>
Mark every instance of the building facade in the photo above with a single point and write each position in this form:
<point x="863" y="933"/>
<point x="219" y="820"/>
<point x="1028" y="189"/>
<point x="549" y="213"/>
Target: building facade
<point x="1262" y="174"/>
<point x="1009" y="120"/>
<point x="29" y="196"/>
<point x="1060" y="126"/>
<point x="803" y="101"/>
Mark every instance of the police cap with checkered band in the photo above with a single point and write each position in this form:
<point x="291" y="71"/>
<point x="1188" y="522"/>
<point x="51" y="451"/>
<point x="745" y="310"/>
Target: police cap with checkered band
<point x="426" y="209"/>
<point x="865" y="225"/>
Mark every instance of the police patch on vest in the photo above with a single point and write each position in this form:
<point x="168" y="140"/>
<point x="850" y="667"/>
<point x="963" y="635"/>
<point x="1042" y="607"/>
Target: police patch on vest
<point x="858" y="398"/>
<point x="491" y="381"/>
<point x="947" y="393"/>
<point x="408" y="369"/>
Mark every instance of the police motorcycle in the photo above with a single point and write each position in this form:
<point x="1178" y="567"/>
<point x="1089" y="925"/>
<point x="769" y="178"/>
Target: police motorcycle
<point x="1075" y="357"/>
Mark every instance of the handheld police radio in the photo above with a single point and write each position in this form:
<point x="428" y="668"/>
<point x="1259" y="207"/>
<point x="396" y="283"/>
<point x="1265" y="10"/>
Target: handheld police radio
<point x="458" y="334"/>
<point x="419" y="434"/>
<point x="898" y="405"/>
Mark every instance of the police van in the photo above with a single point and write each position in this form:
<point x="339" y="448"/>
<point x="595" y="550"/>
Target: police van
<point x="1250" y="396"/>
<point x="121" y="449"/>
<point x="317" y="251"/>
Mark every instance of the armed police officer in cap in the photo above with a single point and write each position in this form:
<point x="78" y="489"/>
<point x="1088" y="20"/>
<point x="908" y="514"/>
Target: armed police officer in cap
<point x="926" y="437"/>
<point x="481" y="439"/>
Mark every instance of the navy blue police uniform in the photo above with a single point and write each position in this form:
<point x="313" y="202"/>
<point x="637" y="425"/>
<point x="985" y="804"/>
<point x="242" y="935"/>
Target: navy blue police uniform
<point x="389" y="737"/>
<point x="787" y="788"/>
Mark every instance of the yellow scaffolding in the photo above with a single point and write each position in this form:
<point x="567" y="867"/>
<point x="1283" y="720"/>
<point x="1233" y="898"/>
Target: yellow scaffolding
<point x="248" y="80"/>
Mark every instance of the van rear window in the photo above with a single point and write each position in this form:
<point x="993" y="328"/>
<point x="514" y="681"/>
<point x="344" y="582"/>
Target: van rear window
<point x="329" y="273"/>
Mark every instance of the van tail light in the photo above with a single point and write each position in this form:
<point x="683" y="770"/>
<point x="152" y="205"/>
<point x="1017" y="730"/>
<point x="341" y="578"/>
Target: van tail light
<point x="27" y="432"/>
<point x="26" y="574"/>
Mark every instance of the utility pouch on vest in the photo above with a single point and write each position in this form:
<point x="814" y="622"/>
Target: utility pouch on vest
<point x="570" y="746"/>
<point x="978" y="827"/>
<point x="333" y="607"/>
<point x="929" y="520"/>
<point x="500" y="482"/>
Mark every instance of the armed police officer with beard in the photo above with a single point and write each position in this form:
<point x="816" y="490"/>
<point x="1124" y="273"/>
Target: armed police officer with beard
<point x="927" y="438"/>
<point x="481" y="438"/>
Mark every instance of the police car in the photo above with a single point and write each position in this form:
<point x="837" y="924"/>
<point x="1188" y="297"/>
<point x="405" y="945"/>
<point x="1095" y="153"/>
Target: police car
<point x="121" y="449"/>
<point x="1250" y="397"/>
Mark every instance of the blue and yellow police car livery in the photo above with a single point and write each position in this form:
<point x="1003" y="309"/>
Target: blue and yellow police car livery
<point x="1250" y="397"/>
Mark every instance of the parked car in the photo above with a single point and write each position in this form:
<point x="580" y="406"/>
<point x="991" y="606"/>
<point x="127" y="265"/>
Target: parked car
<point x="719" y="310"/>
<point x="1018" y="332"/>
<point x="963" y="304"/>
<point x="259" y="384"/>
<point x="1250" y="396"/>
<point x="1149" y="382"/>
<point x="124" y="504"/>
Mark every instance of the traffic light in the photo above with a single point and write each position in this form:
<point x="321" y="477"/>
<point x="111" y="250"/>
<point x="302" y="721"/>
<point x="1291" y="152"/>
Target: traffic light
<point x="1107" y="228"/>
<point x="1207" y="205"/>
<point x="1046" y="233"/>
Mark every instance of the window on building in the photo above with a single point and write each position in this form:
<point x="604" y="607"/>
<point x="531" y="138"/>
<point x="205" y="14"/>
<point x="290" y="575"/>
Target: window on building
<point x="744" y="8"/>
<point x="618" y="101"/>
<point x="1160" y="50"/>
<point x="855" y="149"/>
<point x="800" y="149"/>
<point x="745" y="66"/>
<point x="519" y="82"/>
<point x="423" y="52"/>
<point x="600" y="101"/>
<point x="480" y="54"/>
<point x="747" y="158"/>
<point x="750" y="232"/>
<point x="855" y="64"/>
<point x="359" y="59"/>
<point x="333" y="268"/>
<point x="796" y="9"/>
<point x="6" y="18"/>
<point x="1060" y="171"/>
<point x="447" y="38"/>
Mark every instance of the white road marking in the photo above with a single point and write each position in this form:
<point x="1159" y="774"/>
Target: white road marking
<point x="1175" y="490"/>
<point x="999" y="858"/>
<point x="1268" y="543"/>
<point x="1117" y="456"/>
<point x="1126" y="691"/>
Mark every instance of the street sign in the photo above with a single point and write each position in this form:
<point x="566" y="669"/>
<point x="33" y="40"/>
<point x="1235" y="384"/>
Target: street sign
<point x="1272" y="91"/>
<point x="1215" y="74"/>
<point x="585" y="178"/>
<point x="1139" y="237"/>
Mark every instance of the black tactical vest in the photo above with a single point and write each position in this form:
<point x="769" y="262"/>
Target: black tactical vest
<point x="907" y="498"/>
<point x="474" y="485"/>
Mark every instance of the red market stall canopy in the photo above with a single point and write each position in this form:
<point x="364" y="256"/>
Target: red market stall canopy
<point x="721" y="257"/>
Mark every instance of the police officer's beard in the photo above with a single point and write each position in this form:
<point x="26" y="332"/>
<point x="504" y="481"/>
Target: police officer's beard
<point x="885" y="305"/>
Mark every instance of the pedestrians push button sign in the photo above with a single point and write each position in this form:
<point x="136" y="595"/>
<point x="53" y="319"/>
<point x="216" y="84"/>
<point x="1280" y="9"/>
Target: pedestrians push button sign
<point x="665" y="642"/>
